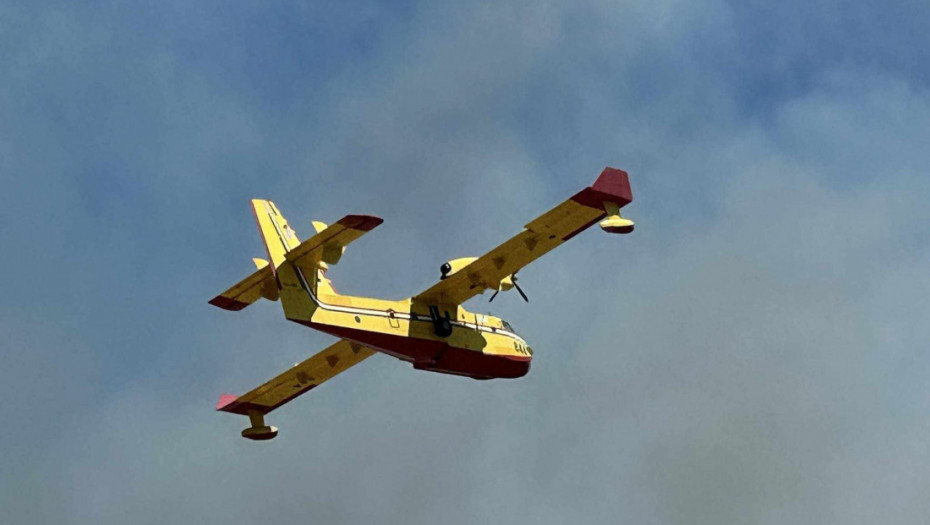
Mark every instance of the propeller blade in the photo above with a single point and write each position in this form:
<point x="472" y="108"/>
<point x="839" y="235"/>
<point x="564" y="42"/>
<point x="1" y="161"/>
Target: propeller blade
<point x="517" y="286"/>
<point x="493" y="296"/>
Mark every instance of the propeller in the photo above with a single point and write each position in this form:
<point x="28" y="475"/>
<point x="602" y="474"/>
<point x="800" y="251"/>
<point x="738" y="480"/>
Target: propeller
<point x="513" y="279"/>
<point x="517" y="286"/>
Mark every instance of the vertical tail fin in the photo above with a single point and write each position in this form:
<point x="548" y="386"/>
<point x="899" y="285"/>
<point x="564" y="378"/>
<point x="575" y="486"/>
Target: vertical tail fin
<point x="277" y="234"/>
<point x="279" y="239"/>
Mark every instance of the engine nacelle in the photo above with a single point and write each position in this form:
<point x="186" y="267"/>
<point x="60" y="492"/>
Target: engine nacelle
<point x="506" y="283"/>
<point x="454" y="265"/>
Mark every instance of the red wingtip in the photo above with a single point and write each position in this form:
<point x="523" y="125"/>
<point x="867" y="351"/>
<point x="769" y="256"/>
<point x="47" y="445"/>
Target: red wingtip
<point x="612" y="185"/>
<point x="225" y="401"/>
<point x="227" y="304"/>
<point x="615" y="183"/>
<point x="364" y="223"/>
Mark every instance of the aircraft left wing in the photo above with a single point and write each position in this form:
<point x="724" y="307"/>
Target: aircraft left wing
<point x="611" y="190"/>
<point x="300" y="378"/>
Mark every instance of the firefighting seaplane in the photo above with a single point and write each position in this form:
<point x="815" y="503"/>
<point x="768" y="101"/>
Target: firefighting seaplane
<point x="431" y="330"/>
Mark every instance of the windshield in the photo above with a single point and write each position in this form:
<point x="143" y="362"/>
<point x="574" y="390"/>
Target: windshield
<point x="508" y="327"/>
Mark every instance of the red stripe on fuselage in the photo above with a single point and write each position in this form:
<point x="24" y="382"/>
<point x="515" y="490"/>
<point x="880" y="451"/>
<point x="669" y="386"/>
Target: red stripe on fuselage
<point x="435" y="356"/>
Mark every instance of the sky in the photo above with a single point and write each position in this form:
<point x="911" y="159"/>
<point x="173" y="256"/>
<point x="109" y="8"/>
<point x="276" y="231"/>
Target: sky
<point x="755" y="352"/>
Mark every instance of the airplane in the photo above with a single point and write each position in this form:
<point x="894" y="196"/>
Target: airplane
<point x="431" y="330"/>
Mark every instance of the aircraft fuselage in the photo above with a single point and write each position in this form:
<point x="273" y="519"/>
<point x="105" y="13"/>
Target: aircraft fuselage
<point x="444" y="339"/>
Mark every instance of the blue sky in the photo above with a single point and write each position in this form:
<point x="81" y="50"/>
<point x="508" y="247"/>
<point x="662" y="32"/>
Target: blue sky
<point x="754" y="352"/>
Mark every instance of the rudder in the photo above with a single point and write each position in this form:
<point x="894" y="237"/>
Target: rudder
<point x="277" y="235"/>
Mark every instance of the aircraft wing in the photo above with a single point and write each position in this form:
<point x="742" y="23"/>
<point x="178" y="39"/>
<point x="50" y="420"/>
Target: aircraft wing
<point x="540" y="236"/>
<point x="302" y="377"/>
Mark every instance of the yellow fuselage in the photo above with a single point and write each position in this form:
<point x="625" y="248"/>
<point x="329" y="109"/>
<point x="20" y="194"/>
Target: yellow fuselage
<point x="455" y="341"/>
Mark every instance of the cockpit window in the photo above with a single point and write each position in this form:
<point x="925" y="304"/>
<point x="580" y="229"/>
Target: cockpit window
<point x="508" y="327"/>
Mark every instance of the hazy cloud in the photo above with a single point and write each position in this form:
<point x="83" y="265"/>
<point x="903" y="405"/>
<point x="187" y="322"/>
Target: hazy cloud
<point x="752" y="353"/>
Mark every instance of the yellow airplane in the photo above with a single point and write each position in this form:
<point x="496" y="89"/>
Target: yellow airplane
<point x="431" y="330"/>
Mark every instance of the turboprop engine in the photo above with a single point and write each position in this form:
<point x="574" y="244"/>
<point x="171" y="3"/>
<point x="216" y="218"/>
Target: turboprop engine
<point x="450" y="267"/>
<point x="507" y="283"/>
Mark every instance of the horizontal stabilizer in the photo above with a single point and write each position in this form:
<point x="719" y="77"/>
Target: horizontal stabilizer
<point x="328" y="244"/>
<point x="246" y="291"/>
